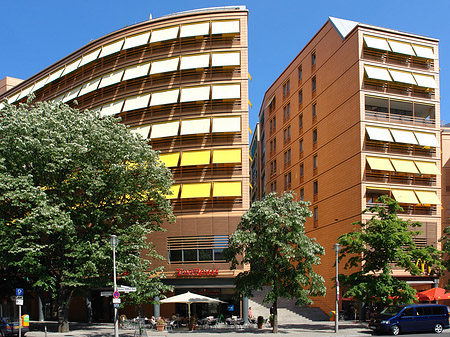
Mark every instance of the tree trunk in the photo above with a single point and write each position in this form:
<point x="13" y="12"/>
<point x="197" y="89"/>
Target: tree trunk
<point x="275" y="316"/>
<point x="63" y="300"/>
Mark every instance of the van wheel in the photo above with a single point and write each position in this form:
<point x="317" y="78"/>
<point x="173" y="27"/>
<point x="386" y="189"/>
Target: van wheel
<point x="438" y="328"/>
<point x="395" y="330"/>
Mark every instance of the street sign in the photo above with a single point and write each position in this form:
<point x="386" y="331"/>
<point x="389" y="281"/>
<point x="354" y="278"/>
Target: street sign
<point x="116" y="294"/>
<point x="126" y="289"/>
<point x="106" y="293"/>
<point x="116" y="300"/>
<point x="19" y="301"/>
<point x="19" y="292"/>
<point x="116" y="305"/>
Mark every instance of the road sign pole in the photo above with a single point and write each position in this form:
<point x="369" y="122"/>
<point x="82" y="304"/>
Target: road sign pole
<point x="114" y="242"/>
<point x="20" y="320"/>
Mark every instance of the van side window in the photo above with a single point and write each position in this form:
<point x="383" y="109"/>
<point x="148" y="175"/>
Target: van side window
<point x="438" y="311"/>
<point x="408" y="312"/>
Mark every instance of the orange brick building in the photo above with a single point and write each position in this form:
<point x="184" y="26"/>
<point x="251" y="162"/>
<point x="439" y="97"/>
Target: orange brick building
<point x="180" y="81"/>
<point x="356" y="115"/>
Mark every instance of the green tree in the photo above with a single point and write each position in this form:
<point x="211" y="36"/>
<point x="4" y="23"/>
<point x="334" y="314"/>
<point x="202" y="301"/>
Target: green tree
<point x="69" y="180"/>
<point x="271" y="239"/>
<point x="378" y="245"/>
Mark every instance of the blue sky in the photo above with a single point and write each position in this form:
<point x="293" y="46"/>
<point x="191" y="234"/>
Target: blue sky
<point x="38" y="33"/>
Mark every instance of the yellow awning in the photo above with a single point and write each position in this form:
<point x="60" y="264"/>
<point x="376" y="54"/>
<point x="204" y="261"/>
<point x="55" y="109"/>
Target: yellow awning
<point x="199" y="190"/>
<point x="170" y="159"/>
<point x="196" y="158"/>
<point x="227" y="189"/>
<point x="426" y="167"/>
<point x="407" y="166"/>
<point x="405" y="196"/>
<point x="175" y="189"/>
<point x="428" y="197"/>
<point x="227" y="156"/>
<point x="382" y="164"/>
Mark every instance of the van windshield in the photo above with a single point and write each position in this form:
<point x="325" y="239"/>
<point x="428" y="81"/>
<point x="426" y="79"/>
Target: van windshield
<point x="391" y="310"/>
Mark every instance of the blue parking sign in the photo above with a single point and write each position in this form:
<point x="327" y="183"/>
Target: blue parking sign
<point x="19" y="292"/>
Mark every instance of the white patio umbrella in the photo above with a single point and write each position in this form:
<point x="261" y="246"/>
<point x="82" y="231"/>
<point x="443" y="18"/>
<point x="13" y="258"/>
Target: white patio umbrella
<point x="190" y="298"/>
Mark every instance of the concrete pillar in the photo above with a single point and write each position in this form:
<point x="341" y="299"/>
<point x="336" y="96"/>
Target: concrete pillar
<point x="156" y="309"/>
<point x="245" y="309"/>
<point x="40" y="308"/>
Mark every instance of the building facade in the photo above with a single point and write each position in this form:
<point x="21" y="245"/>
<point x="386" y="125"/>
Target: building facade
<point x="354" y="116"/>
<point x="180" y="81"/>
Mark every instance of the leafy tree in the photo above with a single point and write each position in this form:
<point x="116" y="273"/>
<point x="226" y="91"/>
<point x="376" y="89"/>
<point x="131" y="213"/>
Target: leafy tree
<point x="68" y="181"/>
<point x="271" y="239"/>
<point x="375" y="248"/>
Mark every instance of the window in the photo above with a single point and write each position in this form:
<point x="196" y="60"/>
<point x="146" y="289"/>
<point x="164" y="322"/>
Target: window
<point x="302" y="194"/>
<point x="192" y="249"/>
<point x="287" y="134"/>
<point x="286" y="88"/>
<point x="300" y="73"/>
<point x="273" y="125"/>
<point x="273" y="145"/>
<point x="300" y="97"/>
<point x="302" y="170"/>
<point x="287" y="158"/>
<point x="316" y="187"/>
<point x="315" y="162"/>
<point x="272" y="104"/>
<point x="287" y="181"/>
<point x="273" y="167"/>
<point x="301" y="147"/>
<point x="314" y="111"/>
<point x="314" y="136"/>
<point x="314" y="84"/>
<point x="300" y="122"/>
<point x="287" y="111"/>
<point x="313" y="58"/>
<point x="273" y="186"/>
<point x="316" y="216"/>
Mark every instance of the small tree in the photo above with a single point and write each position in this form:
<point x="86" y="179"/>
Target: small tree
<point x="375" y="248"/>
<point x="68" y="180"/>
<point x="271" y="238"/>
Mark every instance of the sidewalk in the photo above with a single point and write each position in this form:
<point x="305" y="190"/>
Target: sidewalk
<point x="322" y="329"/>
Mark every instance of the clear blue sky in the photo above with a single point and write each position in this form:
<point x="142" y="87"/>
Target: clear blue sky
<point x="35" y="34"/>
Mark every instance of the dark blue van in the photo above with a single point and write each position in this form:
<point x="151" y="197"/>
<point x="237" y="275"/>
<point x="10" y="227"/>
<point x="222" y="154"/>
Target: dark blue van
<point x="411" y="317"/>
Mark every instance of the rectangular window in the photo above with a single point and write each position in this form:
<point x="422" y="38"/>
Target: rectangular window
<point x="287" y="181"/>
<point x="287" y="157"/>
<point x="300" y="122"/>
<point x="316" y="187"/>
<point x="302" y="194"/>
<point x="301" y="147"/>
<point x="300" y="73"/>
<point x="287" y="134"/>
<point x="302" y="170"/>
<point x="316" y="215"/>
<point x="273" y="125"/>
<point x="191" y="249"/>
<point x="314" y="136"/>
<point x="286" y="89"/>
<point x="314" y="84"/>
<point x="314" y="110"/>
<point x="287" y="111"/>
<point x="315" y="162"/>
<point x="300" y="97"/>
<point x="313" y="58"/>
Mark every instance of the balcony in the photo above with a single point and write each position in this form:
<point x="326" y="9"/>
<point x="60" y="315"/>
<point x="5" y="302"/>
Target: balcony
<point x="397" y="148"/>
<point x="400" y="119"/>
<point x="393" y="178"/>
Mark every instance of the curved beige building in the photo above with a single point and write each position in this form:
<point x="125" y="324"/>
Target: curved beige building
<point x="181" y="81"/>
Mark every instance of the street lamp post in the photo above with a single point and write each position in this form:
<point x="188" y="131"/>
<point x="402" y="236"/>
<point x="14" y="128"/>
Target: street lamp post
<point x="337" y="247"/>
<point x="114" y="242"/>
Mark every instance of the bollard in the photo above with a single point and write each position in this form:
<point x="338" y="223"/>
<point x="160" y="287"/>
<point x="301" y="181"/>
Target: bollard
<point x="45" y="329"/>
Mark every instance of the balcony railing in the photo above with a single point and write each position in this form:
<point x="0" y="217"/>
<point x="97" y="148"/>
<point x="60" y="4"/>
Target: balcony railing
<point x="392" y="178"/>
<point x="401" y="119"/>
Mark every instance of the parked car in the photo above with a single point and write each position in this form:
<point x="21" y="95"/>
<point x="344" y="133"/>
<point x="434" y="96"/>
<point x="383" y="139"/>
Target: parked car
<point x="10" y="327"/>
<point x="409" y="318"/>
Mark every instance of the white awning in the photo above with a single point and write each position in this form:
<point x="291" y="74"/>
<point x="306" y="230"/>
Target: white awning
<point x="111" y="78"/>
<point x="25" y="92"/>
<point x="55" y="75"/>
<point x="136" y="40"/>
<point x="425" y="81"/>
<point x="195" y="29"/>
<point x="426" y="139"/>
<point x="14" y="98"/>
<point x="164" y="97"/>
<point x="89" y="57"/>
<point x="164" y="66"/>
<point x="423" y="51"/>
<point x="195" y="126"/>
<point x="195" y="94"/>
<point x="162" y="130"/>
<point x="402" y="76"/>
<point x="226" y="59"/>
<point x="58" y="98"/>
<point x="403" y="136"/>
<point x="194" y="61"/>
<point x="376" y="43"/>
<point x="226" y="91"/>
<point x="40" y="83"/>
<point x="226" y="124"/>
<point x="401" y="47"/>
<point x="72" y="94"/>
<point x="164" y="34"/>
<point x="377" y="133"/>
<point x="377" y="73"/>
<point x="136" y="102"/>
<point x="141" y="130"/>
<point x="111" y="48"/>
<point x="225" y="27"/>
<point x="71" y="67"/>
<point x="90" y="86"/>
<point x="112" y="108"/>
<point x="136" y="71"/>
